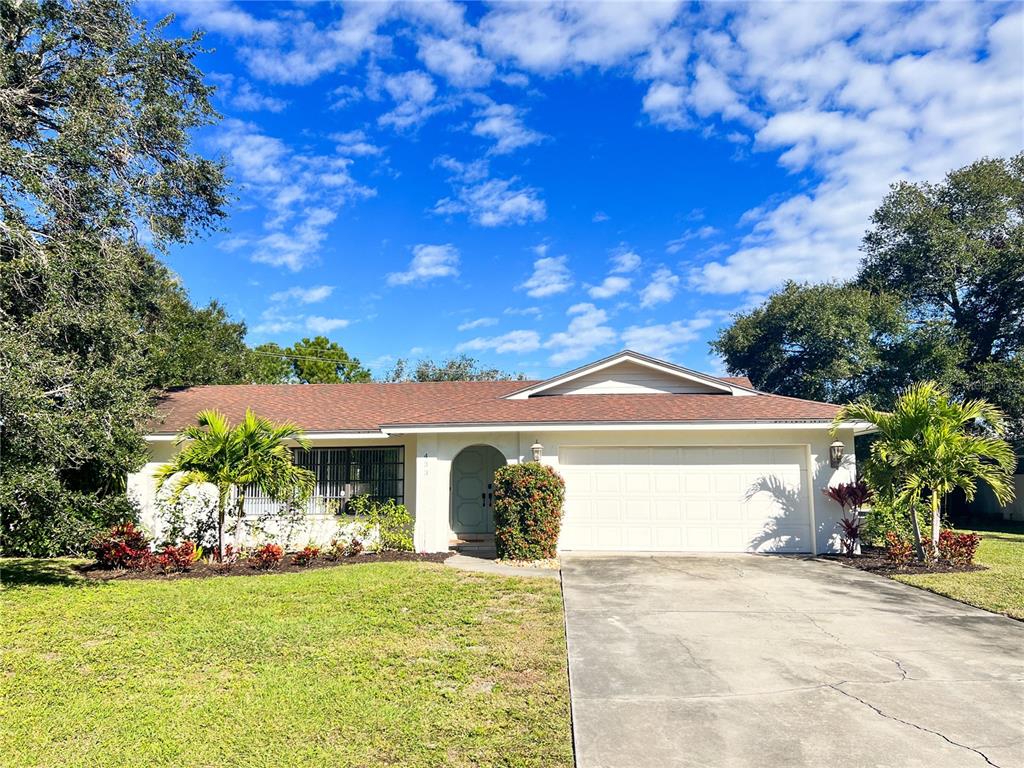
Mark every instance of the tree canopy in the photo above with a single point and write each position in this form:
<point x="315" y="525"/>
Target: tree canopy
<point x="96" y="167"/>
<point x="320" y="361"/>
<point x="461" y="368"/>
<point x="939" y="295"/>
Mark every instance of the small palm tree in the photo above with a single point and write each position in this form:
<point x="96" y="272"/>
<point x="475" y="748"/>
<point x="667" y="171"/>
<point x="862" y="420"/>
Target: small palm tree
<point x="253" y="453"/>
<point x="932" y="444"/>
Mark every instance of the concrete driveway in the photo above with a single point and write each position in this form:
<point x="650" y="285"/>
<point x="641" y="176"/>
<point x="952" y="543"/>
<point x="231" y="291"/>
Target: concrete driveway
<point x="768" y="661"/>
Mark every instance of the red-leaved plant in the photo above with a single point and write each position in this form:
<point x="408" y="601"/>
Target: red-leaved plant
<point x="123" y="546"/>
<point x="851" y="497"/>
<point x="306" y="555"/>
<point x="267" y="557"/>
<point x="178" y="559"/>
<point x="958" y="548"/>
<point x="898" y="550"/>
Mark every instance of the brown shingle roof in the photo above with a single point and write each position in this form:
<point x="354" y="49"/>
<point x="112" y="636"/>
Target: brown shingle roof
<point x="366" y="407"/>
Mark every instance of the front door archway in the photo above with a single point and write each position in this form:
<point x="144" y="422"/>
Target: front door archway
<point x="472" y="490"/>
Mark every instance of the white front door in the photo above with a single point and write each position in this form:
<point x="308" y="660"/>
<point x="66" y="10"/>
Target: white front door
<point x="686" y="499"/>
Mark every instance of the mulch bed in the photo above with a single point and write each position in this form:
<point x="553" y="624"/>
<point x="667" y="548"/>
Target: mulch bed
<point x="873" y="560"/>
<point x="203" y="570"/>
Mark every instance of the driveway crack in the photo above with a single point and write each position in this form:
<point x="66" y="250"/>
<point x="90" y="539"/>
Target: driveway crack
<point x="835" y="687"/>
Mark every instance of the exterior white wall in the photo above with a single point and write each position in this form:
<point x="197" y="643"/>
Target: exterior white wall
<point x="317" y="529"/>
<point x="428" y="462"/>
<point x="436" y="452"/>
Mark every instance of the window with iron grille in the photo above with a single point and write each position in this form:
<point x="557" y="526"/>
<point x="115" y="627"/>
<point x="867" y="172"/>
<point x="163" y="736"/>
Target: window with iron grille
<point x="342" y="473"/>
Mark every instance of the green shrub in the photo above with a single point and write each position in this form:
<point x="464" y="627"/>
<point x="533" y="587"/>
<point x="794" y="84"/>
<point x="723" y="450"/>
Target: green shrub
<point x="527" y="511"/>
<point x="886" y="515"/>
<point x="391" y="521"/>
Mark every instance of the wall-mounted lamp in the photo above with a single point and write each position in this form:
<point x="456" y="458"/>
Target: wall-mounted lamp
<point x="835" y="454"/>
<point x="538" y="450"/>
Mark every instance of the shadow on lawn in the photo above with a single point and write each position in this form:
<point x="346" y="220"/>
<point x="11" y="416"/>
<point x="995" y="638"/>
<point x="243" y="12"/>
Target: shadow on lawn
<point x="32" y="572"/>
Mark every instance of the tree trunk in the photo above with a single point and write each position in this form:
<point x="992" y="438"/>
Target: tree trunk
<point x="918" y="546"/>
<point x="240" y="516"/>
<point x="936" y="521"/>
<point x="220" y="529"/>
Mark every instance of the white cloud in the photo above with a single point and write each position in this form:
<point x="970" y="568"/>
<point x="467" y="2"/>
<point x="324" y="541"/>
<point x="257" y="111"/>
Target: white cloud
<point x="550" y="276"/>
<point x="294" y="247"/>
<point x="504" y="124"/>
<point x="354" y="144"/>
<point x="456" y="60"/>
<point x="664" y="104"/>
<point x="699" y="233"/>
<point x="299" y="192"/>
<point x="550" y="37"/>
<point x="857" y="97"/>
<point x="663" y="339"/>
<point x="587" y="332"/>
<point x="488" y="202"/>
<point x="662" y="287"/>
<point x="525" y="311"/>
<point x="428" y="263"/>
<point x="480" y="322"/>
<point x="311" y="295"/>
<point x="513" y="341"/>
<point x="624" y="260"/>
<point x="599" y="216"/>
<point x="297" y="50"/>
<point x="611" y="286"/>
<point x="413" y="93"/>
<point x="225" y="18"/>
<point x="249" y="99"/>
<point x="276" y="320"/>
<point x="325" y="325"/>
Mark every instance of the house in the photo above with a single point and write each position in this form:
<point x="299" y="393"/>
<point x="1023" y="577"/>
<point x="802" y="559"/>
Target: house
<point x="655" y="457"/>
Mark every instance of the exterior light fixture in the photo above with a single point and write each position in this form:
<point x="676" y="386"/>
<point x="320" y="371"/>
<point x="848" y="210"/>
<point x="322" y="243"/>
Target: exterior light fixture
<point x="537" y="449"/>
<point x="835" y="454"/>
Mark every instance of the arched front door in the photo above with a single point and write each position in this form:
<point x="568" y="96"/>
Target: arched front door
<point x="473" y="489"/>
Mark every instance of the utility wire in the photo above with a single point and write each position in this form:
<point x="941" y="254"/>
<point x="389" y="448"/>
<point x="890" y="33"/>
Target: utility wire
<point x="337" y="361"/>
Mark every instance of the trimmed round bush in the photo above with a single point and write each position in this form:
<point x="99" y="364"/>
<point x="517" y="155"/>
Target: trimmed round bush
<point x="527" y="511"/>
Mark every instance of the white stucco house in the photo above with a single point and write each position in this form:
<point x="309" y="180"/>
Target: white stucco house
<point x="655" y="457"/>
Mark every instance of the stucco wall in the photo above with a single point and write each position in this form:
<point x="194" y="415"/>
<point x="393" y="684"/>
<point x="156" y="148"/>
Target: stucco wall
<point x="428" y="462"/>
<point x="436" y="452"/>
<point x="319" y="529"/>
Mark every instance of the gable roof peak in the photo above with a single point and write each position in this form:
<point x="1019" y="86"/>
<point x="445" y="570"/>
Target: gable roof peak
<point x="628" y="355"/>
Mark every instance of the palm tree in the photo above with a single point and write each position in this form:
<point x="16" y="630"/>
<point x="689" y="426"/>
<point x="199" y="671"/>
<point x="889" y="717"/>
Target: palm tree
<point x="253" y="453"/>
<point x="932" y="444"/>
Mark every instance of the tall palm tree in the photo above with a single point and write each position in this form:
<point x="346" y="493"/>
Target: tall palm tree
<point x="932" y="444"/>
<point x="253" y="453"/>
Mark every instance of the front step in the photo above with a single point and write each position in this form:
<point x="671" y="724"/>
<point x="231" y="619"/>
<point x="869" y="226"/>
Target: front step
<point x="474" y="544"/>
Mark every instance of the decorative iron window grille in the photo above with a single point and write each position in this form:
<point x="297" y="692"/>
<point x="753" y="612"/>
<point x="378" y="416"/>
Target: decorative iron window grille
<point x="341" y="474"/>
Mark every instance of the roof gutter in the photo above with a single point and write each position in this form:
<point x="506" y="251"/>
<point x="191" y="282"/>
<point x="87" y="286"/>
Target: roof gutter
<point x="604" y="426"/>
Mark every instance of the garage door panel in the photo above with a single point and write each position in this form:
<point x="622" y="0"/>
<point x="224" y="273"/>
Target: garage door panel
<point x="667" y="482"/>
<point x="638" y="482"/>
<point x="685" y="498"/>
<point x="637" y="510"/>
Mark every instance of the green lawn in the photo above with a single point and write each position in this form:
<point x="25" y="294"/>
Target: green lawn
<point x="999" y="589"/>
<point x="381" y="664"/>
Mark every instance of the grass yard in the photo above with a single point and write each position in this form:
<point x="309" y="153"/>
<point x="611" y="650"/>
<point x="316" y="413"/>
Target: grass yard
<point x="999" y="589"/>
<point x="382" y="664"/>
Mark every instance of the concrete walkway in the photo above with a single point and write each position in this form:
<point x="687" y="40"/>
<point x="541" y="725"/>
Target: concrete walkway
<point x="768" y="661"/>
<point x="490" y="565"/>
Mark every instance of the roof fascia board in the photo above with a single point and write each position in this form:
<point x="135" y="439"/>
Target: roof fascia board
<point x="311" y="436"/>
<point x="398" y="429"/>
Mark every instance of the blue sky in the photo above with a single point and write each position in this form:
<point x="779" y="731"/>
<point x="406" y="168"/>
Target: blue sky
<point x="541" y="184"/>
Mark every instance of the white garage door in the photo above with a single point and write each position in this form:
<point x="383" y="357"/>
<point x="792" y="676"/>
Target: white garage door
<point x="685" y="499"/>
